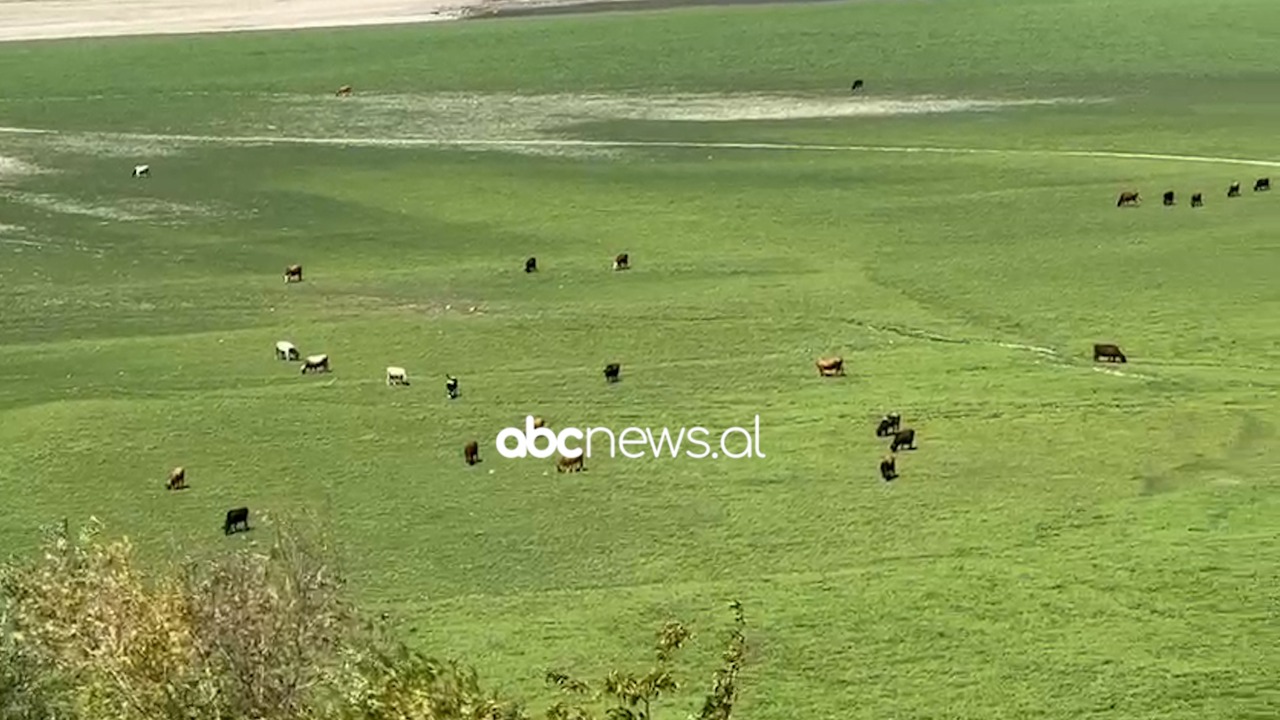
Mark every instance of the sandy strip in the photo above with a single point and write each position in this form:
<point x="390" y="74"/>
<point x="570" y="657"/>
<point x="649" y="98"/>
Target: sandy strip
<point x="47" y="19"/>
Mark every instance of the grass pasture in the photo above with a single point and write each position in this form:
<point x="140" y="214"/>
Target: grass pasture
<point x="1068" y="541"/>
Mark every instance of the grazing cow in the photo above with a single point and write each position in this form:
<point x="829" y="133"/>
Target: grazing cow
<point x="472" y="452"/>
<point x="889" y="468"/>
<point x="315" y="363"/>
<point x="238" y="516"/>
<point x="1234" y="190"/>
<point x="397" y="376"/>
<point x="538" y="422"/>
<point x="531" y="265"/>
<point x="1197" y="200"/>
<point x="857" y="85"/>
<point x="344" y="91"/>
<point x="177" y="479"/>
<point x="141" y="171"/>
<point x="568" y="464"/>
<point x="293" y="273"/>
<point x="1128" y="197"/>
<point x="611" y="372"/>
<point x="622" y="262"/>
<point x="888" y="425"/>
<point x="1108" y="352"/>
<point x="905" y="437"/>
<point x="830" y="366"/>
<point x="1262" y="184"/>
<point x="1168" y="198"/>
<point x="285" y="350"/>
<point x="451" y="386"/>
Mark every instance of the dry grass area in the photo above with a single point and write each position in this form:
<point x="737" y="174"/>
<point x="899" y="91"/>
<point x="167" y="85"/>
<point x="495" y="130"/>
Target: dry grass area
<point x="43" y="19"/>
<point x="456" y="115"/>
<point x="12" y="168"/>
<point x="129" y="210"/>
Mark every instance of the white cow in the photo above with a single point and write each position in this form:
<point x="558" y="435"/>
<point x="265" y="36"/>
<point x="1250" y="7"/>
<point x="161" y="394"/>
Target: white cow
<point x="141" y="170"/>
<point x="318" y="363"/>
<point x="397" y="376"/>
<point x="286" y="351"/>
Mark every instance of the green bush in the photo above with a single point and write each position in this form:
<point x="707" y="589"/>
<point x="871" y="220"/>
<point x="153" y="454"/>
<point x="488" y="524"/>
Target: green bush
<point x="88" y="634"/>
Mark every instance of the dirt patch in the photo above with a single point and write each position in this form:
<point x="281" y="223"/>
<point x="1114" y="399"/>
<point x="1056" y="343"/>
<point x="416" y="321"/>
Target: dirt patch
<point x="47" y="19"/>
<point x="578" y="7"/>
<point x="106" y="145"/>
<point x="11" y="168"/>
<point x="133" y="209"/>
<point x="503" y="121"/>
<point x="731" y="108"/>
<point x="514" y="116"/>
<point x="41" y="19"/>
<point x="455" y="117"/>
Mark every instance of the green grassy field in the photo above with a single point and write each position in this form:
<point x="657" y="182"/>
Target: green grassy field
<point x="1065" y="543"/>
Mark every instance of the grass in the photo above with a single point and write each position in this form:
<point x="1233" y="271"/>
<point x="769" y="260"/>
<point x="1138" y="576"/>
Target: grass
<point x="1065" y="543"/>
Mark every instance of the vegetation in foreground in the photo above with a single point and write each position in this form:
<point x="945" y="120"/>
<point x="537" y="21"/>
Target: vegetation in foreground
<point x="86" y="632"/>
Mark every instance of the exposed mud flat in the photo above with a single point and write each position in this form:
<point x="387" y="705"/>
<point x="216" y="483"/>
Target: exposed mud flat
<point x="12" y="168"/>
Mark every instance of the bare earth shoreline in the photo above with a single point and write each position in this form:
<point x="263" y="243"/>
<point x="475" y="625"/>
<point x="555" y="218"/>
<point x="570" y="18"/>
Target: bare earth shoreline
<point x="49" y="19"/>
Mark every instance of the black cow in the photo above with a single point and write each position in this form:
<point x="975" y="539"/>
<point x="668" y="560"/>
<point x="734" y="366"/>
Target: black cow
<point x="611" y="372"/>
<point x="238" y="516"/>
<point x="622" y="262"/>
<point x="888" y="468"/>
<point x="1129" y="197"/>
<point x="451" y="386"/>
<point x="888" y="425"/>
<point x="1262" y="184"/>
<point x="1234" y="190"/>
<point x="903" y="438"/>
<point x="1168" y="198"/>
<point x="1108" y="352"/>
<point x="857" y="85"/>
<point x="1197" y="200"/>
<point x="531" y="265"/>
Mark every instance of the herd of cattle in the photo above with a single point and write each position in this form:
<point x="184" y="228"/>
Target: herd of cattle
<point x="238" y="518"/>
<point x="889" y="426"/>
<point x="1131" y="197"/>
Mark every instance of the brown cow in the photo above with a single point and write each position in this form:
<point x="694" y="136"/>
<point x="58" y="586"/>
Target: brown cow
<point x="1108" y="352"/>
<point x="177" y="479"/>
<point x="472" y="452"/>
<point x="344" y="91"/>
<point x="568" y="464"/>
<point x="830" y="366"/>
<point x="622" y="262"/>
<point x="1128" y="197"/>
<point x="538" y="422"/>
<point x="293" y="273"/>
<point x="905" y="437"/>
<point x="888" y="468"/>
